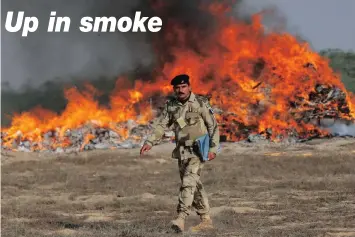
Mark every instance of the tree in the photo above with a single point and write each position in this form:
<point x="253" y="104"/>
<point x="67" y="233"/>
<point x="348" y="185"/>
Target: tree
<point x="343" y="62"/>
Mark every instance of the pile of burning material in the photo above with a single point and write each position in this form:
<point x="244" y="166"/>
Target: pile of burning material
<point x="324" y="102"/>
<point x="323" y="113"/>
<point x="84" y="138"/>
<point x="326" y="107"/>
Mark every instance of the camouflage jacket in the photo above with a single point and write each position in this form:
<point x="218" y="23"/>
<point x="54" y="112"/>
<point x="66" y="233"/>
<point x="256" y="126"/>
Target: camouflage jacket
<point x="189" y="121"/>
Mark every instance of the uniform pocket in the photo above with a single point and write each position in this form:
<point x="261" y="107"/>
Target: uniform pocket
<point x="193" y="166"/>
<point x="192" y="118"/>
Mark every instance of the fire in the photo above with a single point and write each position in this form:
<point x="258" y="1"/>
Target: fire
<point x="251" y="75"/>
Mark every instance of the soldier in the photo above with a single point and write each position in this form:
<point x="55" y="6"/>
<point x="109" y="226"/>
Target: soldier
<point x="190" y="116"/>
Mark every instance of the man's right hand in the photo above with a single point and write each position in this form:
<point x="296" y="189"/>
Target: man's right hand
<point x="145" y="148"/>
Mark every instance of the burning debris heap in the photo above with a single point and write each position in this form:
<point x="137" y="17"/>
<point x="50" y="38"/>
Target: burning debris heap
<point x="325" y="106"/>
<point x="84" y="138"/>
<point x="325" y="103"/>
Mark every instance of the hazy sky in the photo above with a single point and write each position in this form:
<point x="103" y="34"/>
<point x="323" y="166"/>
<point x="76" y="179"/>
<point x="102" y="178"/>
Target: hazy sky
<point x="325" y="23"/>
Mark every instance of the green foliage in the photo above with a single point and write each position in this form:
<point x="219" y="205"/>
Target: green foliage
<point x="343" y="62"/>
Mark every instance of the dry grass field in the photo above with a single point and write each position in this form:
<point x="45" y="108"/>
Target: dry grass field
<point x="254" y="189"/>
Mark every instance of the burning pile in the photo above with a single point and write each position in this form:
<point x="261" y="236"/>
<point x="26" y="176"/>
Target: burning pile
<point x="323" y="106"/>
<point x="263" y="85"/>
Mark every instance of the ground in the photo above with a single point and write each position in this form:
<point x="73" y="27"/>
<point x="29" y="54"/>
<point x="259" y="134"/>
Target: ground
<point x="306" y="189"/>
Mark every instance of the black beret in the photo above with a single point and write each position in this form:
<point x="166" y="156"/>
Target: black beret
<point x="180" y="79"/>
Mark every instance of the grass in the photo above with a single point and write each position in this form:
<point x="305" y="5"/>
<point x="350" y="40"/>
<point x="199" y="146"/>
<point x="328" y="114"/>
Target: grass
<point x="115" y="193"/>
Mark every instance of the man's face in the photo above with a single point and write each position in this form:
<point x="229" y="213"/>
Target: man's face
<point x="182" y="91"/>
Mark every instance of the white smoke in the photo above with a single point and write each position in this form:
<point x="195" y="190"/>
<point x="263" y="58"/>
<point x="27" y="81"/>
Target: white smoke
<point x="340" y="128"/>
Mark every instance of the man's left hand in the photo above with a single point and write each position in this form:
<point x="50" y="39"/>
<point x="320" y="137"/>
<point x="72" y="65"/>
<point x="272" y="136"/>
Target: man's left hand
<point x="211" y="155"/>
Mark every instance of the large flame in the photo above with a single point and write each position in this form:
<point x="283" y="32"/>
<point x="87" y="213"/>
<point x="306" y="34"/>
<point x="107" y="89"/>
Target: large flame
<point x="250" y="74"/>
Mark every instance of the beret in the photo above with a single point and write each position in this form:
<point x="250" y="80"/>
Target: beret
<point x="180" y="79"/>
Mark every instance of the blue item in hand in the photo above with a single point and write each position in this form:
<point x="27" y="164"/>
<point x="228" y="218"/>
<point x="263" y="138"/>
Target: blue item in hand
<point x="203" y="143"/>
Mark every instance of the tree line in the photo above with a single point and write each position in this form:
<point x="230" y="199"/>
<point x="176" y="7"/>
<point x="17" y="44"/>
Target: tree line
<point x="344" y="63"/>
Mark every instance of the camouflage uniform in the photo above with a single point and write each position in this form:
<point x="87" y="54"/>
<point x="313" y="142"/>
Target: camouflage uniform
<point x="189" y="121"/>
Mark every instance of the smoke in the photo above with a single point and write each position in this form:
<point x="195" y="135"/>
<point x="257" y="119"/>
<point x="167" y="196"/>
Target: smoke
<point x="342" y="129"/>
<point x="44" y="56"/>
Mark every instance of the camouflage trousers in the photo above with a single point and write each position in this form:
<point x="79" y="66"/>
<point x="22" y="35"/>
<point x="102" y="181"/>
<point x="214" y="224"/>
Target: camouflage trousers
<point x="192" y="193"/>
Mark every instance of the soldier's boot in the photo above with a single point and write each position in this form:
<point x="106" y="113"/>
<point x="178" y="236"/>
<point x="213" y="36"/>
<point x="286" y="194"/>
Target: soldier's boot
<point x="205" y="224"/>
<point x="178" y="225"/>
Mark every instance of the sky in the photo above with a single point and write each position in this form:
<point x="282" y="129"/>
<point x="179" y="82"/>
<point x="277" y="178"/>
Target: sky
<point x="325" y="23"/>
